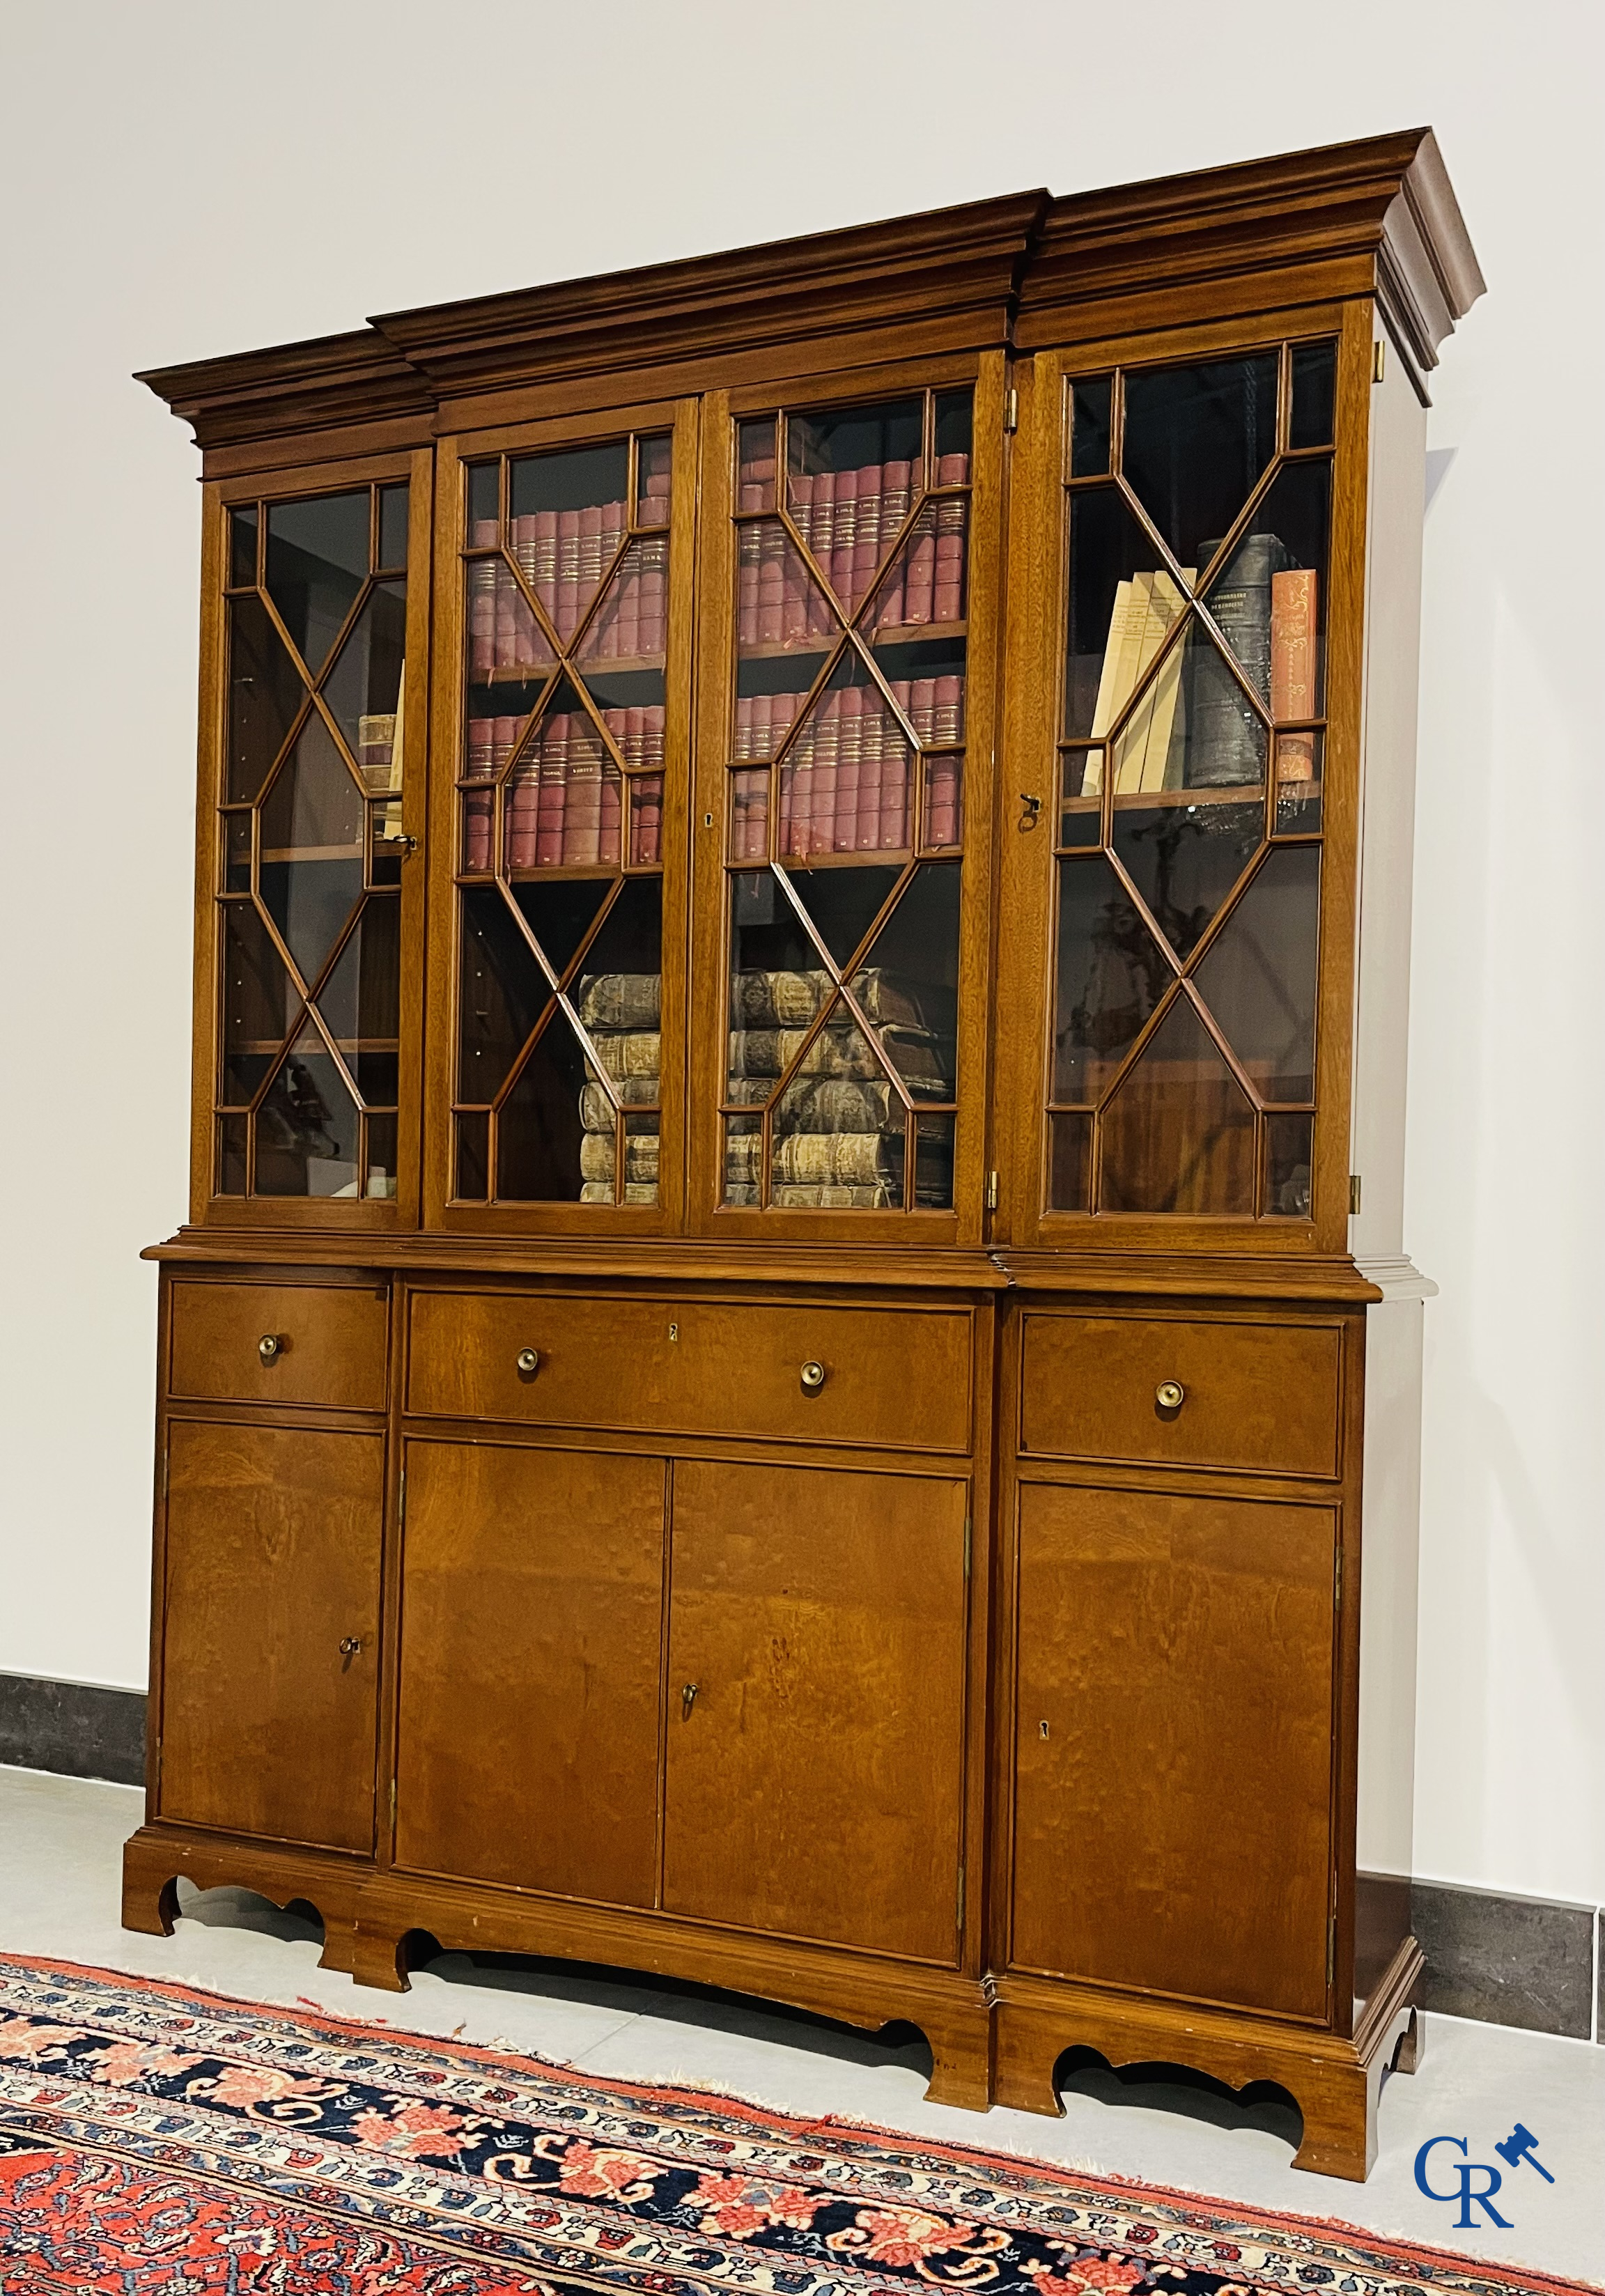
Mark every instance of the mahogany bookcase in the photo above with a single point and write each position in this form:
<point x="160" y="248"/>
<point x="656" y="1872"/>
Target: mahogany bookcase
<point x="792" y="1362"/>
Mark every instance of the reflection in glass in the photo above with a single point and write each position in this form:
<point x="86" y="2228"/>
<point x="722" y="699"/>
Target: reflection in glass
<point x="258" y="1000"/>
<point x="1069" y="1163"/>
<point x="236" y="852"/>
<point x="393" y="528"/>
<point x="1081" y="810"/>
<point x="484" y="498"/>
<point x="653" y="468"/>
<point x="381" y="1131"/>
<point x="907" y="985"/>
<point x="1110" y="975"/>
<point x="540" y="1132"/>
<point x="317" y="560"/>
<point x="361" y="1000"/>
<point x="1258" y="976"/>
<point x="232" y="1132"/>
<point x="1196" y="440"/>
<point x="265" y="691"/>
<point x="1315" y="394"/>
<point x="1290" y="1150"/>
<point x="954" y="421"/>
<point x="1178" y="1133"/>
<point x="473" y="1157"/>
<point x="1299" y="780"/>
<point x="1091" y="412"/>
<point x="1217" y="738"/>
<point x="310" y="866"/>
<point x="755" y="465"/>
<point x="933" y="1162"/>
<point x="242" y="557"/>
<point x="307" y="1128"/>
<point x="1184" y="860"/>
<point x="364" y="688"/>
<point x="844" y="903"/>
<point x="744" y="1146"/>
<point x="501" y="993"/>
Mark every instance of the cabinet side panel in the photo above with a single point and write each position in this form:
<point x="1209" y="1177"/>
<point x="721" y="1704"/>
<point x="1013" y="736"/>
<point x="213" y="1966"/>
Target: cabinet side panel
<point x="1393" y="587"/>
<point x="1391" y="1509"/>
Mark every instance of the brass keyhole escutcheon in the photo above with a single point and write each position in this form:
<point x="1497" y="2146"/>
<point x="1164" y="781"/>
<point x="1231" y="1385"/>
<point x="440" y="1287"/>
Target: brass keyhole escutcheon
<point x="529" y="1362"/>
<point x="350" y="1647"/>
<point x="688" y="1699"/>
<point x="812" y="1378"/>
<point x="1032" y="806"/>
<point x="1170" y="1395"/>
<point x="674" y="1331"/>
<point x="268" y="1347"/>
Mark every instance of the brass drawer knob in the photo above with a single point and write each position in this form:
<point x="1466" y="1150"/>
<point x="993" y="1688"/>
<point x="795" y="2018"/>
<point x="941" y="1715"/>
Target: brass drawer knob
<point x="812" y="1378"/>
<point x="269" y="1346"/>
<point x="528" y="1361"/>
<point x="1170" y="1395"/>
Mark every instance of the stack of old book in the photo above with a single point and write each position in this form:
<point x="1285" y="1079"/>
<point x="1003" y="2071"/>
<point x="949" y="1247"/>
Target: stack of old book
<point x="839" y="1127"/>
<point x="620" y="1013"/>
<point x="849" y="520"/>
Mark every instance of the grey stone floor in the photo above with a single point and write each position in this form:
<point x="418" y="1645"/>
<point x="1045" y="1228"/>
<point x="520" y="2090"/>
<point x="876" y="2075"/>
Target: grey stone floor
<point x="60" y="1840"/>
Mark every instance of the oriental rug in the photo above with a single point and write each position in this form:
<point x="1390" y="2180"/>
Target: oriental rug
<point x="157" y="2138"/>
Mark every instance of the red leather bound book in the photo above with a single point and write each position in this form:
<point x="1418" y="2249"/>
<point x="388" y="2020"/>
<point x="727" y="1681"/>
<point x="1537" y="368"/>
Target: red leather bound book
<point x="1293" y="604"/>
<point x="949" y="710"/>
<point x="794" y="595"/>
<point x="923" y="708"/>
<point x="545" y="560"/>
<point x="786" y="802"/>
<point x="522" y="819"/>
<point x="952" y="518"/>
<point x="895" y="499"/>
<point x="653" y="631"/>
<point x="827" y="759"/>
<point x="646" y="820"/>
<point x="919" y="577"/>
<point x="523" y="547"/>
<point x="876" y="731"/>
<point x="740" y="744"/>
<point x="799" y="488"/>
<point x="866" y="533"/>
<point x="610" y="810"/>
<point x="477" y="804"/>
<point x="615" y="519"/>
<point x="822" y="542"/>
<point x="582" y="793"/>
<point x="844" y="806"/>
<point x="844" y="536"/>
<point x="941" y="812"/>
<point x="590" y="558"/>
<point x="481" y="596"/>
<point x="749" y="545"/>
<point x="554" y="791"/>
<point x="568" y="573"/>
<point x="771" y="583"/>
<point x="762" y="718"/>
<point x="894" y="799"/>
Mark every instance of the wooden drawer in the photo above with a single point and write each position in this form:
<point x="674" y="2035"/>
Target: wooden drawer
<point x="896" y="1378"/>
<point x="1259" y="1396"/>
<point x="332" y="1344"/>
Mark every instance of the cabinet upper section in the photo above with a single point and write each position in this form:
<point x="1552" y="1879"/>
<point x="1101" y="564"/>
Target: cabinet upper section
<point x="863" y="740"/>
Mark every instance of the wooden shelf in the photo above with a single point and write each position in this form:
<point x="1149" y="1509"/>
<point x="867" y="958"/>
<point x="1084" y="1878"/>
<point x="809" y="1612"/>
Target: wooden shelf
<point x="537" y="673"/>
<point x="278" y="854"/>
<point x="814" y="647"/>
<point x="1211" y="793"/>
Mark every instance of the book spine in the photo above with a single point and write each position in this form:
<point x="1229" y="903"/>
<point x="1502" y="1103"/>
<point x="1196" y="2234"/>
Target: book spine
<point x="948" y="572"/>
<point x="582" y="795"/>
<point x="876" y="733"/>
<point x="920" y="579"/>
<point x="948" y="709"/>
<point x="771" y="583"/>
<point x="844" y="809"/>
<point x="894" y="511"/>
<point x="941" y="822"/>
<point x="610" y="809"/>
<point x="522" y="797"/>
<point x="653" y="625"/>
<point x="545" y="560"/>
<point x="589" y="578"/>
<point x="823" y="543"/>
<point x="568" y="573"/>
<point x="1293" y="606"/>
<point x="1225" y="737"/>
<point x="844" y="536"/>
<point x="894" y="799"/>
<point x="827" y="762"/>
<point x="866" y="532"/>
<point x="482" y="597"/>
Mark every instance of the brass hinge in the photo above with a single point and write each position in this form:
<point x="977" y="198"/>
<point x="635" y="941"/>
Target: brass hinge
<point x="401" y="1510"/>
<point x="991" y="1191"/>
<point x="967" y="1534"/>
<point x="1011" y="409"/>
<point x="961" y="1901"/>
<point x="1353" y="1193"/>
<point x="1378" y="358"/>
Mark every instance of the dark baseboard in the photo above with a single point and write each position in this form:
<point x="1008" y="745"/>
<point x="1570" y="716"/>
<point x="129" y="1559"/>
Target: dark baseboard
<point x="73" y="1729"/>
<point x="1529" y="1962"/>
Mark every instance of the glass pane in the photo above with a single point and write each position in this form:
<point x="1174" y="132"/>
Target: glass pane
<point x="569" y="511"/>
<point x="620" y="992"/>
<point x="473" y="1158"/>
<point x="1269" y="602"/>
<point x="907" y="599"/>
<point x="1315" y="394"/>
<point x="364" y="688"/>
<point x="231" y="1154"/>
<point x="754" y="465"/>
<point x="1290" y="1148"/>
<point x="560" y="911"/>
<point x="1185" y="859"/>
<point x="1114" y="626"/>
<point x="1178" y="1134"/>
<point x="954" y="421"/>
<point x="763" y="718"/>
<point x="564" y="801"/>
<point x="944" y="827"/>
<point x="540" y="1136"/>
<point x="1298" y="776"/>
<point x="1110" y="976"/>
<point x="1259" y="977"/>
<point x="361" y="1000"/>
<point x="1091" y="405"/>
<point x="311" y="858"/>
<point x="505" y="644"/>
<point x="855" y="443"/>
<point x="845" y="780"/>
<point x="844" y="903"/>
<point x="631" y="625"/>
<point x="479" y="823"/>
<point x="1215" y="738"/>
<point x="1069" y="1163"/>
<point x="777" y="985"/>
<point x="501" y="993"/>
<point x="484" y="498"/>
<point x="749" y="816"/>
<point x="779" y="605"/>
<point x="381" y="1131"/>
<point x="933" y="1162"/>
<point x="1081" y="812"/>
<point x="265" y="691"/>
<point x="743" y="1147"/>
<point x="393" y="528"/>
<point x="242" y="572"/>
<point x="308" y="1129"/>
<point x="654" y="460"/>
<point x="317" y="560"/>
<point x="1196" y="439"/>
<point x="839" y="1125"/>
<point x="258" y="1002"/>
<point x="1139" y="663"/>
<point x="236" y="852"/>
<point x="907" y="987"/>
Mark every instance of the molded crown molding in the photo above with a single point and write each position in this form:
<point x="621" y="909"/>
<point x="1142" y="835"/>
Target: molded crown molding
<point x="1377" y="217"/>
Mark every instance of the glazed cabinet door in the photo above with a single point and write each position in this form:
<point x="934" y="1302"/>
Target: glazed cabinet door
<point x="815" y="1704"/>
<point x="310" y="933"/>
<point x="1173" y="1746"/>
<point x="270" y="1649"/>
<point x="531" y="1636"/>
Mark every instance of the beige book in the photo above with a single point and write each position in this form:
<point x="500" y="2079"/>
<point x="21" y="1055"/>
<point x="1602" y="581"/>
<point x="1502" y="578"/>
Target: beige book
<point x="1119" y="670"/>
<point x="630" y="1053"/>
<point x="823" y="1196"/>
<point x="598" y="1156"/>
<point x="1166" y="606"/>
<point x="636" y="1192"/>
<point x="621" y="1000"/>
<point x="850" y="1158"/>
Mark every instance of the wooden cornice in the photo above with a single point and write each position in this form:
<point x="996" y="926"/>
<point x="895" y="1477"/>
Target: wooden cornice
<point x="1376" y="217"/>
<point x="1025" y="270"/>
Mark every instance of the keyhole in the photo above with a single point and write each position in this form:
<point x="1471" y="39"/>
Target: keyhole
<point x="674" y="1331"/>
<point x="1044" y="1728"/>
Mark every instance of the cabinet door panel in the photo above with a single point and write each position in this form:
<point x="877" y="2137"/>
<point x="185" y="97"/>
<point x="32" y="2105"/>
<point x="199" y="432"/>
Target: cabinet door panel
<point x="531" y="1659"/>
<point x="1175" y="1731"/>
<point x="273" y="1560"/>
<point x="814" y="1785"/>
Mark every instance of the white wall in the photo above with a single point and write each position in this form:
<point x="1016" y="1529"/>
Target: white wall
<point x="203" y="178"/>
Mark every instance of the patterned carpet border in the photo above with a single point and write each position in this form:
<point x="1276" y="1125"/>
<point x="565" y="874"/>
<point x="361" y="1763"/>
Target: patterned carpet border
<point x="156" y="2137"/>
